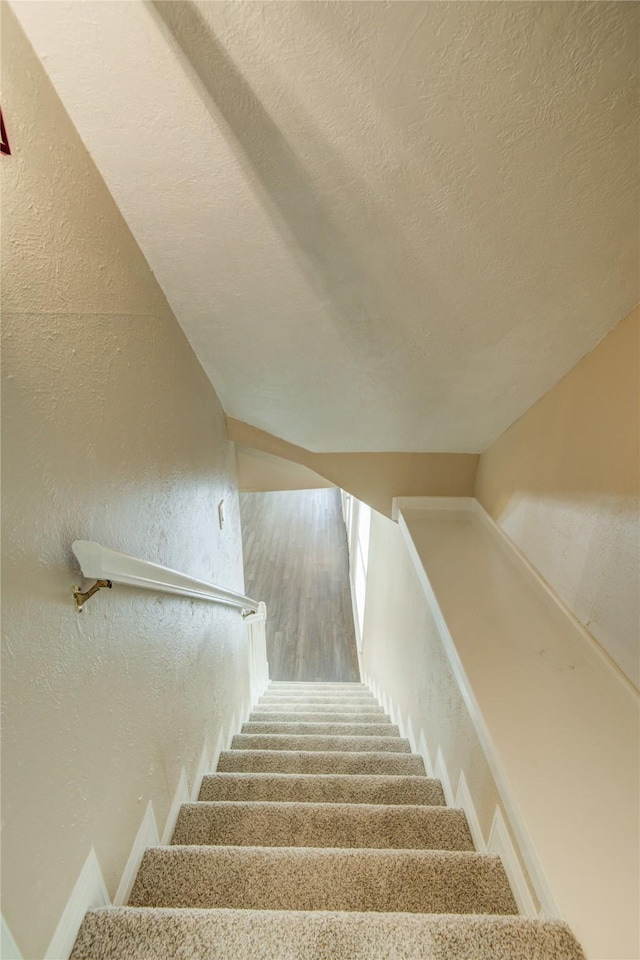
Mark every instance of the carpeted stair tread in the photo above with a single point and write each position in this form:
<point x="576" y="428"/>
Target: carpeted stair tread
<point x="320" y="837"/>
<point x="312" y="716"/>
<point x="322" y="788"/>
<point x="336" y="702"/>
<point x="324" y="729"/>
<point x="140" y="934"/>
<point x="280" y="741"/>
<point x="316" y="685"/>
<point x="267" y="824"/>
<point x="310" y="878"/>
<point x="316" y="698"/>
<point x="318" y="692"/>
<point x="304" y="706"/>
<point x="310" y="761"/>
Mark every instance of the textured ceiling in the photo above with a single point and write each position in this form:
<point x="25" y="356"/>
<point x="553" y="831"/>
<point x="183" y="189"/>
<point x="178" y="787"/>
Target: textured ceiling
<point x="382" y="226"/>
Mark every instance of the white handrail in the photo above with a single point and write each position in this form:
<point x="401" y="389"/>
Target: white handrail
<point x="106" y="564"/>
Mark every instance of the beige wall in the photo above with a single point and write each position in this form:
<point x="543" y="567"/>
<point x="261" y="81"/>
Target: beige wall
<point x="374" y="478"/>
<point x="111" y="432"/>
<point x="563" y="481"/>
<point x="260" y="472"/>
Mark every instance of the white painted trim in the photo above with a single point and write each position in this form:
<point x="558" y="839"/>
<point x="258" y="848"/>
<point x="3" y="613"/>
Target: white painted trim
<point x="545" y="592"/>
<point x="180" y="796"/>
<point x="500" y="843"/>
<point x="9" y="949"/>
<point x="423" y="750"/>
<point x="217" y="750"/>
<point x="351" y="554"/>
<point x="147" y="836"/>
<point x="259" y="615"/>
<point x="257" y="652"/>
<point x="236" y="722"/>
<point x="88" y="893"/>
<point x="102" y="563"/>
<point x="465" y="801"/>
<point x="442" y="774"/>
<point x="410" y="735"/>
<point x="203" y="767"/>
<point x="396" y="717"/>
<point x="356" y="619"/>
<point x="523" y="838"/>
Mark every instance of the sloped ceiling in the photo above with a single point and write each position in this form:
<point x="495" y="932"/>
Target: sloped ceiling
<point x="382" y="226"/>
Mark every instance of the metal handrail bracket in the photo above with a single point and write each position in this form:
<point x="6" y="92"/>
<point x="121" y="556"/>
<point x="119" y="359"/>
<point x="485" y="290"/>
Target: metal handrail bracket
<point x="107" y="566"/>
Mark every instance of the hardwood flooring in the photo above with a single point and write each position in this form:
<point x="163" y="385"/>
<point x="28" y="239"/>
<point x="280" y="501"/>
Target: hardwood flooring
<point x="296" y="560"/>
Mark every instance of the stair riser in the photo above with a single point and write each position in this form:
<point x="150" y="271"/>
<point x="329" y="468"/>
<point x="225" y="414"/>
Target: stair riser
<point x="113" y="934"/>
<point x="347" y="701"/>
<point x="305" y="707"/>
<point x="326" y="692"/>
<point x="272" y="879"/>
<point x="283" y="761"/>
<point x="323" y="788"/>
<point x="323" y="729"/>
<point x="318" y="692"/>
<point x="300" y="716"/>
<point x="341" y="744"/>
<point x="277" y="685"/>
<point x="322" y="825"/>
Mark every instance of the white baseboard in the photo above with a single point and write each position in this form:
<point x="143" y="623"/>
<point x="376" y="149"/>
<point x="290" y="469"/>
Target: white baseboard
<point x="440" y="771"/>
<point x="203" y="767"/>
<point x="147" y="836"/>
<point x="8" y="947"/>
<point x="385" y="703"/>
<point x="217" y="750"/>
<point x="88" y="893"/>
<point x="423" y="750"/>
<point x="410" y="735"/>
<point x="236" y="722"/>
<point x="180" y="796"/>
<point x="394" y="713"/>
<point x="248" y="706"/>
<point x="90" y="890"/>
<point x="371" y="684"/>
<point x="500" y="843"/>
<point x="464" y="800"/>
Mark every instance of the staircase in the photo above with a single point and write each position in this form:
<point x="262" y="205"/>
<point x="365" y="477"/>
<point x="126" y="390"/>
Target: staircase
<point x="320" y="836"/>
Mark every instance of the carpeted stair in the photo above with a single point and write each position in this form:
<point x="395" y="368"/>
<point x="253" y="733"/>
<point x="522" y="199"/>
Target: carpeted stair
<point x="320" y="837"/>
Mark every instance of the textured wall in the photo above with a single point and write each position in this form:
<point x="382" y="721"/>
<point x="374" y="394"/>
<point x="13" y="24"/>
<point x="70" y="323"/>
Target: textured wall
<point x="383" y="226"/>
<point x="563" y="483"/>
<point x="112" y="432"/>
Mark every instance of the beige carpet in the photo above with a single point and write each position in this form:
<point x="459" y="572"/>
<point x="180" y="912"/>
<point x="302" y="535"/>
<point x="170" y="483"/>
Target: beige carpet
<point x="320" y="837"/>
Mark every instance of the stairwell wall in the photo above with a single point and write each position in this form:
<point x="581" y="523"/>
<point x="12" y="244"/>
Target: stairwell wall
<point x="563" y="484"/>
<point x="111" y="432"/>
<point x="405" y="662"/>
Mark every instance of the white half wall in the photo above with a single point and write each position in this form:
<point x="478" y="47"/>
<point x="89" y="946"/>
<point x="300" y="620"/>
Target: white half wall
<point x="555" y="721"/>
